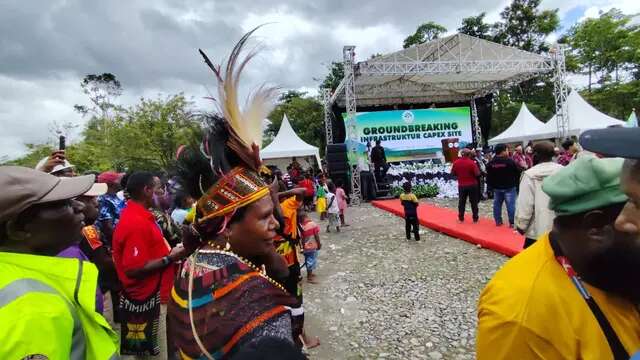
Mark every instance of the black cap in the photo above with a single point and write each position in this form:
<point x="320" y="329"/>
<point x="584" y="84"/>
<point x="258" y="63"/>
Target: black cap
<point x="619" y="142"/>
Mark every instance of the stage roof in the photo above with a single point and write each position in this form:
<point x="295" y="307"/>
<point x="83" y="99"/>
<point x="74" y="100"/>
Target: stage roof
<point x="451" y="69"/>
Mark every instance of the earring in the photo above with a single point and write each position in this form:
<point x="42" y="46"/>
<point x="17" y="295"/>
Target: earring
<point x="227" y="247"/>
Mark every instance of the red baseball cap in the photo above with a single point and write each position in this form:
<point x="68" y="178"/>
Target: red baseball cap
<point x="110" y="177"/>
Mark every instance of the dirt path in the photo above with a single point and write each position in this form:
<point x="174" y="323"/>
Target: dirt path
<point x="381" y="296"/>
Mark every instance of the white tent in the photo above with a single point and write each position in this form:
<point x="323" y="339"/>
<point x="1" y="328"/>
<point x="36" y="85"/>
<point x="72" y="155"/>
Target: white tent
<point x="288" y="144"/>
<point x="524" y="125"/>
<point x="582" y="117"/>
<point x="632" y="121"/>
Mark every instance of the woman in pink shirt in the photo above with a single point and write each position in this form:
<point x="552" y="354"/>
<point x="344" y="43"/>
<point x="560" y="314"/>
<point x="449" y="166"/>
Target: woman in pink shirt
<point x="341" y="196"/>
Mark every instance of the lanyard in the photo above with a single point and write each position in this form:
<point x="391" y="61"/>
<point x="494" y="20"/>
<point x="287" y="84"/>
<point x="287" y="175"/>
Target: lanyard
<point x="618" y="350"/>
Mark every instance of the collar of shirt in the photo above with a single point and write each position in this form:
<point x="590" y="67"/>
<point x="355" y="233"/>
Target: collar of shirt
<point x="139" y="210"/>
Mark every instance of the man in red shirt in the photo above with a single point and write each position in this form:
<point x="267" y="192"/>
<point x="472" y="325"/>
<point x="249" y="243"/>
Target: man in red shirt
<point x="144" y="263"/>
<point x="309" y="190"/>
<point x="467" y="172"/>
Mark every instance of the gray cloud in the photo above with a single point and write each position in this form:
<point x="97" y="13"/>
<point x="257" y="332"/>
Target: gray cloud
<point x="47" y="46"/>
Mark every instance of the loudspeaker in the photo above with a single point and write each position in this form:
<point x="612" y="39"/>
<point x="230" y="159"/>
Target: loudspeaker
<point x="336" y="148"/>
<point x="336" y="157"/>
<point x="484" y="108"/>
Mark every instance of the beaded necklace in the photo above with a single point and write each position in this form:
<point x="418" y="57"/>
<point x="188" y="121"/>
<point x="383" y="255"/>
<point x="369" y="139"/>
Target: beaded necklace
<point x="261" y="271"/>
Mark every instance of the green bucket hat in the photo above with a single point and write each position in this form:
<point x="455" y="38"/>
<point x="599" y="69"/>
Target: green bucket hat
<point x="587" y="183"/>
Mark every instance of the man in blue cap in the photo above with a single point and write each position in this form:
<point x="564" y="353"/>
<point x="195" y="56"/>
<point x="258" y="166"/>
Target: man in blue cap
<point x="574" y="294"/>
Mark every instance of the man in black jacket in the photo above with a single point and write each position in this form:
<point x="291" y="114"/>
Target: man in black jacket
<point x="379" y="160"/>
<point x="503" y="177"/>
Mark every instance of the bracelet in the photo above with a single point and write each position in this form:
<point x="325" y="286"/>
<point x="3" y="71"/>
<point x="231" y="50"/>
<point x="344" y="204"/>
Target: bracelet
<point x="166" y="260"/>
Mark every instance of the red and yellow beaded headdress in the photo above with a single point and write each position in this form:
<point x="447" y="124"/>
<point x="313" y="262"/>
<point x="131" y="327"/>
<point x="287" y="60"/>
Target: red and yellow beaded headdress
<point x="224" y="173"/>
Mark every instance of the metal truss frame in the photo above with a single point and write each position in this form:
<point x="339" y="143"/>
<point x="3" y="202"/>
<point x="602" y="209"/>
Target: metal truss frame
<point x="440" y="57"/>
<point x="328" y="129"/>
<point x="448" y="67"/>
<point x="348" y="56"/>
<point x="560" y="91"/>
<point x="477" y="132"/>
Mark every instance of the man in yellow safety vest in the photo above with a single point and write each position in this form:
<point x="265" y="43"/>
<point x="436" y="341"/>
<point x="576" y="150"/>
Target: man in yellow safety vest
<point x="47" y="304"/>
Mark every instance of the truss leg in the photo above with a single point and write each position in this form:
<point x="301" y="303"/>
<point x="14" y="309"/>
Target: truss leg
<point x="352" y="134"/>
<point x="560" y="91"/>
<point x="328" y="129"/>
<point x="477" y="132"/>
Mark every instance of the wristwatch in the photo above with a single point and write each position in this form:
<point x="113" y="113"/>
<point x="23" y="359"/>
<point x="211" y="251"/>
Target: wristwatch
<point x="166" y="260"/>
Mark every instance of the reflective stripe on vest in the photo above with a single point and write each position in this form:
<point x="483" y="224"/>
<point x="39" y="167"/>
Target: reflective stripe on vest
<point x="22" y="287"/>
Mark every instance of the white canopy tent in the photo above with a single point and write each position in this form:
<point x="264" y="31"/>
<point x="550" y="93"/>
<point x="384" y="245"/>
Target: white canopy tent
<point x="524" y="124"/>
<point x="632" y="121"/>
<point x="582" y="117"/>
<point x="286" y="145"/>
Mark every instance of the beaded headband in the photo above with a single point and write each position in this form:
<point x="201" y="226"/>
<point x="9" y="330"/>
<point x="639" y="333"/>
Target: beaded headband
<point x="238" y="188"/>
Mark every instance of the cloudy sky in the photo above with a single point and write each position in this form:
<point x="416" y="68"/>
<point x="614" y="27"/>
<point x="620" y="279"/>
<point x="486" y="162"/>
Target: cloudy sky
<point x="47" y="46"/>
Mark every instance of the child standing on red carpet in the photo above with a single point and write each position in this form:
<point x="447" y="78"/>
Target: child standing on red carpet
<point x="410" y="203"/>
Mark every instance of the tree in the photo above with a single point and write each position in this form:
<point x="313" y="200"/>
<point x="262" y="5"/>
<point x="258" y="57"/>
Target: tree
<point x="632" y="44"/>
<point x="35" y="153"/>
<point x="306" y="115"/>
<point x="615" y="99"/>
<point x="602" y="45"/>
<point x="424" y="33"/>
<point x="149" y="134"/>
<point x="144" y="136"/>
<point x="525" y="26"/>
<point x="475" y="26"/>
<point x="334" y="77"/>
<point x="102" y="90"/>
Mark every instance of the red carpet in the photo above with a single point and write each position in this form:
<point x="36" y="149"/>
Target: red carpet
<point x="485" y="232"/>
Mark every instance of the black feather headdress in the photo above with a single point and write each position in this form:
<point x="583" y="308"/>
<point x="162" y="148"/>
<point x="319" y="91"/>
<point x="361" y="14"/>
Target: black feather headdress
<point x="223" y="172"/>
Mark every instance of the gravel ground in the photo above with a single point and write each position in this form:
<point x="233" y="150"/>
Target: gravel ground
<point x="381" y="296"/>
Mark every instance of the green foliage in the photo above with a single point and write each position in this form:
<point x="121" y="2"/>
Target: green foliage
<point x="475" y="26"/>
<point x="306" y="115"/>
<point x="524" y="25"/>
<point x="101" y="90"/>
<point x="421" y="191"/>
<point x="144" y="136"/>
<point x="616" y="100"/>
<point x="604" y="45"/>
<point x="149" y="133"/>
<point x="424" y="33"/>
<point x="334" y="77"/>
<point x="36" y="152"/>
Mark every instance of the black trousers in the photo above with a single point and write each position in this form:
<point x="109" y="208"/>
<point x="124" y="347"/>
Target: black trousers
<point x="411" y="225"/>
<point x="473" y="194"/>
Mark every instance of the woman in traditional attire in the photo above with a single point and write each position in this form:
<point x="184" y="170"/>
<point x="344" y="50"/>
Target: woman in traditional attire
<point x="224" y="298"/>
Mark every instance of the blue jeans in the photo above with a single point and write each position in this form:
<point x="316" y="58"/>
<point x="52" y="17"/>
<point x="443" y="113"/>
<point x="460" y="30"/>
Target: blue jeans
<point x="508" y="196"/>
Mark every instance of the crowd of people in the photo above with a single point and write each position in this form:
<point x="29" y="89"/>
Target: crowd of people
<point x="205" y="264"/>
<point x="511" y="177"/>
